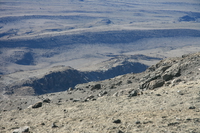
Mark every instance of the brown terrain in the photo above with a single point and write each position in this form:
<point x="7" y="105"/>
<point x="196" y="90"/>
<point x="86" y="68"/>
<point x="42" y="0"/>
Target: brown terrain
<point x="165" y="98"/>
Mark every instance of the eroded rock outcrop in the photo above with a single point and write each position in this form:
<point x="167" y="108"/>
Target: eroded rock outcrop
<point x="169" y="69"/>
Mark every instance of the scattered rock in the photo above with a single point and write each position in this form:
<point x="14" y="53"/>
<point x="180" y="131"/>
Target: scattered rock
<point x="112" y="86"/>
<point x="119" y="131"/>
<point x="97" y="86"/>
<point x="54" y="125"/>
<point x="89" y="98"/>
<point x="192" y="107"/>
<point x="22" y="130"/>
<point x="137" y="122"/>
<point x="102" y="93"/>
<point x="71" y="99"/>
<point x="133" y="93"/>
<point x="152" y="84"/>
<point x="76" y="100"/>
<point x="117" y="121"/>
<point x="129" y="81"/>
<point x="167" y="83"/>
<point x="47" y="100"/>
<point x="93" y="99"/>
<point x="37" y="105"/>
<point x="120" y="93"/>
<point x="196" y="120"/>
<point x="70" y="89"/>
<point x="176" y="81"/>
<point x="180" y="92"/>
<point x="188" y="119"/>
<point x="158" y="94"/>
<point x="173" y="124"/>
<point x="119" y="83"/>
<point x="116" y="94"/>
<point x="146" y="122"/>
<point x="19" y="108"/>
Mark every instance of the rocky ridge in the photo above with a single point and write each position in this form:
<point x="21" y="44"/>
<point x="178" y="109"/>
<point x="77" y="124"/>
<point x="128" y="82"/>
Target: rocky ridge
<point x="164" y="98"/>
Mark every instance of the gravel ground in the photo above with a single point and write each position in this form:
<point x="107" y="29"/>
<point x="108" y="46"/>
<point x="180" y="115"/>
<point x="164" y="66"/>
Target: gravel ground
<point x="167" y="109"/>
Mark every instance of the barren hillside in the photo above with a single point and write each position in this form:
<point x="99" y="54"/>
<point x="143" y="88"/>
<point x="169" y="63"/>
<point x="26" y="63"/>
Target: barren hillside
<point x="164" y="98"/>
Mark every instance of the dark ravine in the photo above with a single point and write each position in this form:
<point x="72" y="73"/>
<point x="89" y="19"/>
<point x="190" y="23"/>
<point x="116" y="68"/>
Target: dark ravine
<point x="61" y="80"/>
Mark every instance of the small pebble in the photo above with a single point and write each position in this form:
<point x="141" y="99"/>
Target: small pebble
<point x="192" y="107"/>
<point x="54" y="125"/>
<point x="117" y="121"/>
<point x="137" y="122"/>
<point x="158" y="95"/>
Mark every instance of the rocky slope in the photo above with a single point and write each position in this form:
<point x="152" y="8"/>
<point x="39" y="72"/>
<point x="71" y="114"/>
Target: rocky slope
<point x="164" y="110"/>
<point x="164" y="98"/>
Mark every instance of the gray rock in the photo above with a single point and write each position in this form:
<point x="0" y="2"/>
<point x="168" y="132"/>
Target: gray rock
<point x="164" y="68"/>
<point x="173" y="124"/>
<point x="76" y="100"/>
<point x="37" y="105"/>
<point x="47" y="100"/>
<point x="156" y="83"/>
<point x="119" y="83"/>
<point x="146" y="122"/>
<point x="89" y="98"/>
<point x="54" y="125"/>
<point x="70" y="89"/>
<point x="102" y="93"/>
<point x="116" y="94"/>
<point x="117" y="121"/>
<point x="171" y="72"/>
<point x="192" y="107"/>
<point x="129" y="81"/>
<point x="24" y="129"/>
<point x="133" y="93"/>
<point x="196" y="120"/>
<point x="137" y="122"/>
<point x="158" y="94"/>
<point x="144" y="82"/>
<point x="180" y="92"/>
<point x="97" y="86"/>
<point x="119" y="131"/>
<point x="152" y="84"/>
<point x="177" y="80"/>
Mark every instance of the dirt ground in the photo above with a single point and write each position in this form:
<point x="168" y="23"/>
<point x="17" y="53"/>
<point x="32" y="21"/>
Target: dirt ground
<point x="168" y="109"/>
